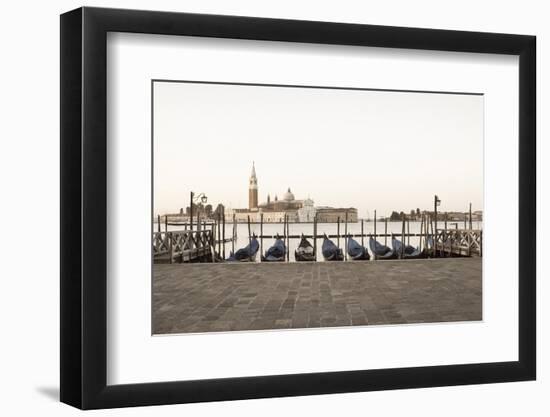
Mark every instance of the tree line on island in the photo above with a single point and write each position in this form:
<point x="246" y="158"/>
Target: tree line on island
<point x="416" y="215"/>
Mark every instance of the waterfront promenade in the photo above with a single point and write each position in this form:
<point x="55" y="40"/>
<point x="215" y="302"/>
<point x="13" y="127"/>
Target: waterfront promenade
<point x="225" y="297"/>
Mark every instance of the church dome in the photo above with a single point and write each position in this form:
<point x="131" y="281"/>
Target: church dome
<point x="288" y="196"/>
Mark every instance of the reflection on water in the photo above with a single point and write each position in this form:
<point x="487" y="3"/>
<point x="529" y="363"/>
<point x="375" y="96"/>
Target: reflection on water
<point x="329" y="229"/>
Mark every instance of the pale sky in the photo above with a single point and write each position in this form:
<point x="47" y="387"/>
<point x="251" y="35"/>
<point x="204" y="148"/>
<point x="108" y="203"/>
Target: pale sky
<point x="343" y="148"/>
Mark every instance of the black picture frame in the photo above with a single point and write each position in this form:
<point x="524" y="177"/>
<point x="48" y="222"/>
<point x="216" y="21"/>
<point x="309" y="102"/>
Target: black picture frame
<point x="84" y="207"/>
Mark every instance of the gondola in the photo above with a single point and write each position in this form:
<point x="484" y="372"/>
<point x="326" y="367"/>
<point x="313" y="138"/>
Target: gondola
<point x="406" y="251"/>
<point x="304" y="251"/>
<point x="246" y="254"/>
<point x="275" y="253"/>
<point x="356" y="251"/>
<point x="381" y="251"/>
<point x="331" y="252"/>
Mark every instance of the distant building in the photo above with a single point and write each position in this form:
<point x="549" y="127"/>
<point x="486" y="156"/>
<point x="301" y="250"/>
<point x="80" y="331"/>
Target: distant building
<point x="452" y="216"/>
<point x="253" y="190"/>
<point x="275" y="211"/>
<point x="331" y="214"/>
<point x="287" y="203"/>
<point x="461" y="216"/>
<point x="307" y="212"/>
<point x="477" y="215"/>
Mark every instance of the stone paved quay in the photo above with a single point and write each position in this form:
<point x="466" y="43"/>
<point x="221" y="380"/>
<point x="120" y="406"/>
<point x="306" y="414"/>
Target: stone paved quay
<point x="224" y="297"/>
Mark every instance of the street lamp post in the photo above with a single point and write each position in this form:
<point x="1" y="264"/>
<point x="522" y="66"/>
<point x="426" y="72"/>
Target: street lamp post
<point x="437" y="202"/>
<point x="192" y="200"/>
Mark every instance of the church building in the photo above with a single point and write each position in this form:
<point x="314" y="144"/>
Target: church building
<point x="275" y="210"/>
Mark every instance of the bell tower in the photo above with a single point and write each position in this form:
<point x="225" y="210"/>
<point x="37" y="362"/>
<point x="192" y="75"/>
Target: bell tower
<point x="253" y="190"/>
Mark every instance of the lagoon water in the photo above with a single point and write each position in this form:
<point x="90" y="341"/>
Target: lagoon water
<point x="328" y="228"/>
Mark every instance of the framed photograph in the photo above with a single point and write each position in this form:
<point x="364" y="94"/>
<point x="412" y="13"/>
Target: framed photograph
<point x="258" y="208"/>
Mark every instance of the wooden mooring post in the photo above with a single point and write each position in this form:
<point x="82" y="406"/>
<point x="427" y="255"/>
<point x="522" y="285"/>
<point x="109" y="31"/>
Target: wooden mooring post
<point x="427" y="229"/>
<point x="233" y="235"/>
<point x="223" y="231"/>
<point x="346" y="238"/>
<point x="249" y="239"/>
<point x="261" y="234"/>
<point x="219" y="234"/>
<point x="445" y="233"/>
<point x="433" y="236"/>
<point x="315" y="236"/>
<point x="408" y="232"/>
<point x="386" y="231"/>
<point x="338" y="231"/>
<point x="374" y="224"/>
<point x="287" y="241"/>
<point x="362" y="234"/>
<point x="374" y="255"/>
<point x="402" y="236"/>
<point x="421" y="229"/>
<point x="284" y="233"/>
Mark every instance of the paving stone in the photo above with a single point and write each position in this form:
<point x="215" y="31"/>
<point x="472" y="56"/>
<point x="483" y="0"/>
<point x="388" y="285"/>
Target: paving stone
<point x="221" y="297"/>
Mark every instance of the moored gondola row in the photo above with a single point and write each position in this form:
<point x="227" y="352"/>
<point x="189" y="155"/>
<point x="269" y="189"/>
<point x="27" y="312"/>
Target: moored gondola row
<point x="307" y="252"/>
<point x="331" y="252"/>
<point x="207" y="243"/>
